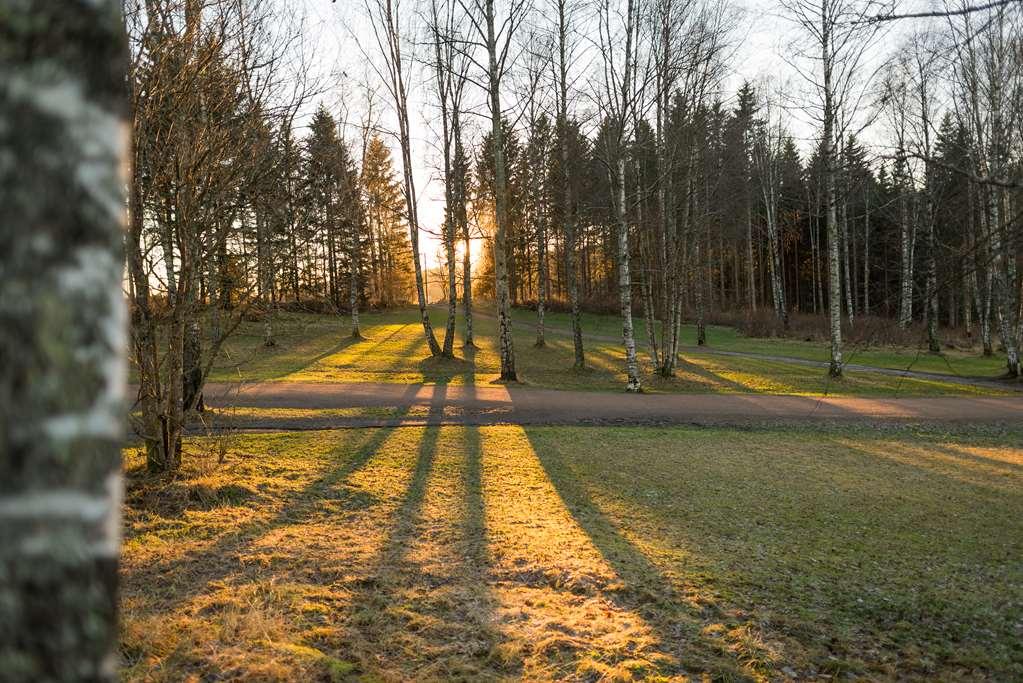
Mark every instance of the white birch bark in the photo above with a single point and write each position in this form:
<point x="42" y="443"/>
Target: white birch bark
<point x="828" y="152"/>
<point x="383" y="15"/>
<point x="568" y="210"/>
<point x="625" y="284"/>
<point x="906" y="252"/>
<point x="506" y="345"/>
<point x="63" y="380"/>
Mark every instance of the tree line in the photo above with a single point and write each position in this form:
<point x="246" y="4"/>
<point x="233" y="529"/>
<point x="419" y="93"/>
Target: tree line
<point x="595" y="151"/>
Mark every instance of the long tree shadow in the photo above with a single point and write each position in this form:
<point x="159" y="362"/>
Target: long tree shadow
<point x="222" y="559"/>
<point x="421" y="609"/>
<point x="712" y="379"/>
<point x="996" y="466"/>
<point x="990" y="479"/>
<point x="678" y="611"/>
<point x="446" y="370"/>
<point x="277" y="356"/>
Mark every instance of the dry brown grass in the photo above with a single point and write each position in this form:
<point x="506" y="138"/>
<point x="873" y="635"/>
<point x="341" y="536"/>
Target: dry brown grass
<point x="441" y="553"/>
<point x="589" y="554"/>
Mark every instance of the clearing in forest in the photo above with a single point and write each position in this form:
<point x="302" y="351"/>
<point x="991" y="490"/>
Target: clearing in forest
<point x="317" y="348"/>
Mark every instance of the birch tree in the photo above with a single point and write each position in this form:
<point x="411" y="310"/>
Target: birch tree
<point x="688" y="41"/>
<point x="449" y="65"/>
<point x="497" y="41"/>
<point x="617" y="95"/>
<point x="63" y="338"/>
<point x="561" y="66"/>
<point x="767" y="151"/>
<point x="984" y="71"/>
<point x="838" y="33"/>
<point x="384" y="19"/>
<point x="921" y="56"/>
<point x="897" y="105"/>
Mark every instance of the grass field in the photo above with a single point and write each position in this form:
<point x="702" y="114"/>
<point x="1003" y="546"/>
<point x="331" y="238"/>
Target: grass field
<point x="578" y="554"/>
<point x="317" y="348"/>
<point x="953" y="362"/>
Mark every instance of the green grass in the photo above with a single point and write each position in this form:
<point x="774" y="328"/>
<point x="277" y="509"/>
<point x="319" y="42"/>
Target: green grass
<point x="950" y="362"/>
<point x="577" y="554"/>
<point x="318" y="348"/>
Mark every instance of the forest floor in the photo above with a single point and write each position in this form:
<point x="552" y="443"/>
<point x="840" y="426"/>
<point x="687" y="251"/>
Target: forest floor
<point x="318" y="348"/>
<point x="578" y="553"/>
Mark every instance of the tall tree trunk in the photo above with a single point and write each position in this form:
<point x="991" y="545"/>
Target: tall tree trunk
<point x="463" y="228"/>
<point x="846" y="269"/>
<point x="697" y="284"/>
<point x="648" y="315"/>
<point x="931" y="288"/>
<point x="571" y="236"/>
<point x="932" y="280"/>
<point x="828" y="154"/>
<point x="448" y="349"/>
<point x="665" y="255"/>
<point x="395" y="65"/>
<point x="624" y="281"/>
<point x="906" y="276"/>
<point x="63" y="341"/>
<point x="572" y="258"/>
<point x="751" y="284"/>
<point x="1003" y="290"/>
<point x="506" y="346"/>
<point x="541" y="293"/>
<point x="150" y="426"/>
<point x="866" y="250"/>
<point x="447" y="133"/>
<point x="774" y="256"/>
<point x="354" y="258"/>
<point x="969" y="280"/>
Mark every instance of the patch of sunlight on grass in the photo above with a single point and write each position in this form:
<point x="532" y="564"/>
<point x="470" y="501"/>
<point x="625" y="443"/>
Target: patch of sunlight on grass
<point x="558" y="608"/>
<point x="301" y="339"/>
<point x="398" y="353"/>
<point x="253" y="413"/>
<point x="246" y="591"/>
<point x="554" y="553"/>
<point x="861" y="553"/>
<point x="314" y="348"/>
<point x="426" y="596"/>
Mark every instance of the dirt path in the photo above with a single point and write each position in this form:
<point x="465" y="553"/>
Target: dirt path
<point x="375" y="404"/>
<point x="987" y="382"/>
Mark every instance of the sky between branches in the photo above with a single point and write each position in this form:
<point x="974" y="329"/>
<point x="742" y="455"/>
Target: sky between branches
<point x="340" y="41"/>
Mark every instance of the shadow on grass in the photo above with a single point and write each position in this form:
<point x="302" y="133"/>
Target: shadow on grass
<point x="220" y="560"/>
<point x="422" y="608"/>
<point x="678" y="613"/>
<point x="997" y="466"/>
<point x="286" y="358"/>
<point x="710" y="379"/>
